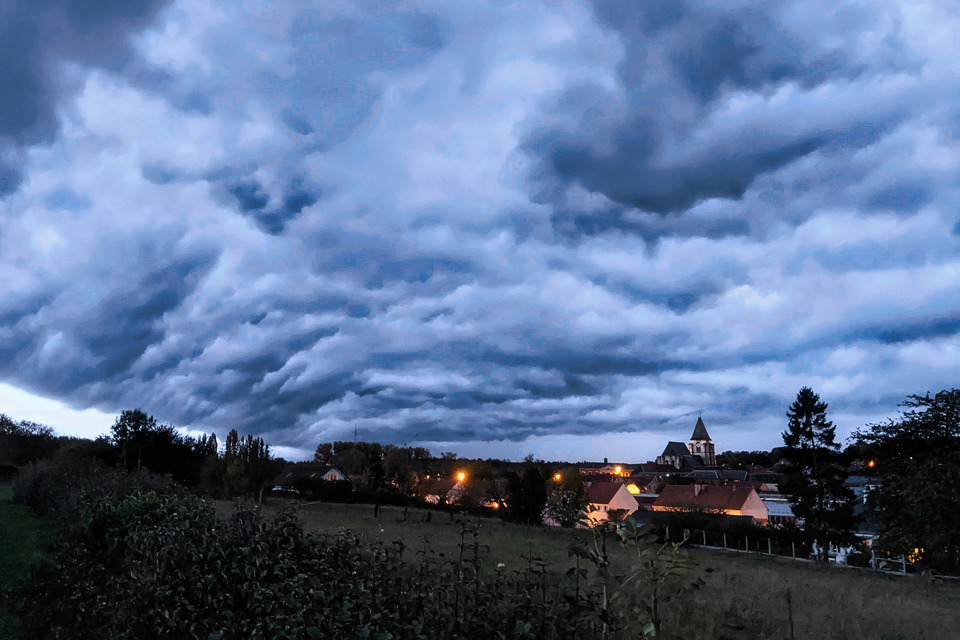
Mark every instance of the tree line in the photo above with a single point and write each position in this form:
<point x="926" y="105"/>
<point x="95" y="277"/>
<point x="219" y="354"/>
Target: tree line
<point x="137" y="441"/>
<point x="912" y="462"/>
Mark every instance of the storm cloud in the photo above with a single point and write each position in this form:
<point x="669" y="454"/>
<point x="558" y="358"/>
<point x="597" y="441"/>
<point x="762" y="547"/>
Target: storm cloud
<point x="515" y="228"/>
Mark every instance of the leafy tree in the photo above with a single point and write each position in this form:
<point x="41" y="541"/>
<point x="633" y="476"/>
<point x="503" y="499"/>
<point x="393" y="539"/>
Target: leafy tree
<point x="567" y="502"/>
<point x="916" y="460"/>
<point x="131" y="433"/>
<point x="324" y="453"/>
<point x="24" y="441"/>
<point x="816" y="473"/>
<point x="245" y="467"/>
<point x="144" y="443"/>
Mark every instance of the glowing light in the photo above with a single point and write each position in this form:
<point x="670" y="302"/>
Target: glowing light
<point x="618" y="470"/>
<point x="461" y="476"/>
<point x="495" y="505"/>
<point x="632" y="488"/>
<point x="872" y="464"/>
<point x="556" y="477"/>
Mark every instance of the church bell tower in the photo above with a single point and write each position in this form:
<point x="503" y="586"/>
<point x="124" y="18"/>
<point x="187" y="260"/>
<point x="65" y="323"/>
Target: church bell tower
<point x="701" y="444"/>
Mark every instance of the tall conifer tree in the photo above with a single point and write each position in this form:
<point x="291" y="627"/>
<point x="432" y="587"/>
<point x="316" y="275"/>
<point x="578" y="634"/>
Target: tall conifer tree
<point x="816" y="473"/>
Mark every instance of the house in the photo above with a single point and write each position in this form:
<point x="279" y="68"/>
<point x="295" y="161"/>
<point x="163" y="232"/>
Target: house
<point x="612" y="469"/>
<point x="643" y="483"/>
<point x="295" y="476"/>
<point x="604" y="497"/>
<point x="712" y="476"/>
<point x="780" y="512"/>
<point x="731" y="500"/>
<point x="653" y="468"/>
<point x="442" y="490"/>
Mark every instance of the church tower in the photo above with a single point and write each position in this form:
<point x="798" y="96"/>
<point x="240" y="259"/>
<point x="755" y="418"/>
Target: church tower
<point x="701" y="444"/>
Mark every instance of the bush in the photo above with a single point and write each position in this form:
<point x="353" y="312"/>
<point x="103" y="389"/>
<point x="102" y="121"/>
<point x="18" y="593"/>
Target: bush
<point x="62" y="488"/>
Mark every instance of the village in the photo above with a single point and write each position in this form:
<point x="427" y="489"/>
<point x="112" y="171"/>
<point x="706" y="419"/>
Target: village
<point x="684" y="478"/>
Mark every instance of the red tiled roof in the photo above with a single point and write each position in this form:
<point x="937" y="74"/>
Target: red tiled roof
<point x="602" y="492"/>
<point x="709" y="498"/>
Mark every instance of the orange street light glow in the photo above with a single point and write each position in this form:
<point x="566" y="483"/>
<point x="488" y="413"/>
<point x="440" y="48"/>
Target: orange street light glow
<point x="461" y="476"/>
<point x="556" y="477"/>
<point x="618" y="469"/>
<point x="872" y="464"/>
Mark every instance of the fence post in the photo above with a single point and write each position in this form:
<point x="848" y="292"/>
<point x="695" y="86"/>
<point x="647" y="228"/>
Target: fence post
<point x="704" y="537"/>
<point x="746" y="543"/>
<point x="769" y="547"/>
<point x="903" y="565"/>
<point x="668" y="533"/>
<point x="793" y="549"/>
<point x="724" y="539"/>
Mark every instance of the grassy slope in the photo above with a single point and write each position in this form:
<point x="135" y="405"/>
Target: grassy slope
<point x="745" y="595"/>
<point x="22" y="539"/>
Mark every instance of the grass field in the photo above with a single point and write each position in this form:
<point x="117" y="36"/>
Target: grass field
<point x="745" y="596"/>
<point x="22" y="541"/>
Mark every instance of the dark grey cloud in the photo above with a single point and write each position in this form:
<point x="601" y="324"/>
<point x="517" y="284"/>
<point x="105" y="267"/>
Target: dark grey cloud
<point x="35" y="40"/>
<point x="653" y="143"/>
<point x="255" y="202"/>
<point x="540" y="221"/>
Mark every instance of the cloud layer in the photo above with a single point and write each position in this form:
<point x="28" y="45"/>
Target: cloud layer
<point x="472" y="224"/>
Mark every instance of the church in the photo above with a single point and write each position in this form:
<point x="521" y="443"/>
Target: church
<point x="698" y="454"/>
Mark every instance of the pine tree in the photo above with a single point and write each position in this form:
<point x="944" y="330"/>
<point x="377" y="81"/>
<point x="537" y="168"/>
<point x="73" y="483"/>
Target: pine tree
<point x="816" y="473"/>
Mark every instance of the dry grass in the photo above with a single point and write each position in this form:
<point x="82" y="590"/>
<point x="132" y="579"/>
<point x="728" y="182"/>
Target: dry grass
<point x="751" y="591"/>
<point x="745" y="596"/>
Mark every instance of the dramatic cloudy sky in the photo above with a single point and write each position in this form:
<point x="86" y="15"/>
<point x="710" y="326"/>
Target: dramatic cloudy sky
<point x="559" y="227"/>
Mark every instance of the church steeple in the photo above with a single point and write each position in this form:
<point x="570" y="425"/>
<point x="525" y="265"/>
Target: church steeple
<point x="701" y="444"/>
<point x="700" y="431"/>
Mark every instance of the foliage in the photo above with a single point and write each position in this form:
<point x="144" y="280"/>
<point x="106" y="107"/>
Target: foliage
<point x="567" y="502"/>
<point x="23" y="539"/>
<point x="526" y="496"/>
<point x="917" y="466"/>
<point x="816" y="472"/>
<point x="245" y="468"/>
<point x="741" y="459"/>
<point x="198" y="576"/>
<point x="387" y="465"/>
<point x="24" y="441"/>
<point x="63" y="488"/>
<point x="636" y="595"/>
<point x="144" y="443"/>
